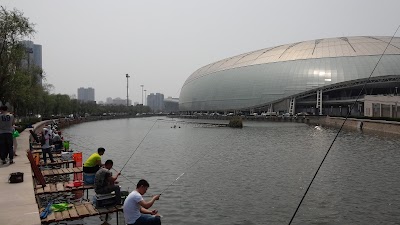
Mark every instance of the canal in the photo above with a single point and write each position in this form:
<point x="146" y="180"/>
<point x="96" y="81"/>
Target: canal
<point x="254" y="175"/>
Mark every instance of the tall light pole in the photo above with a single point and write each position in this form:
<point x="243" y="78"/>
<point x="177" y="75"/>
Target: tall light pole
<point x="145" y="97"/>
<point x="127" y="90"/>
<point x="142" y="92"/>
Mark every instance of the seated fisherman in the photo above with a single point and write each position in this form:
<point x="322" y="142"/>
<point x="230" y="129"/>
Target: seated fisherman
<point x="105" y="183"/>
<point x="93" y="163"/>
<point x="57" y="140"/>
<point x="136" y="210"/>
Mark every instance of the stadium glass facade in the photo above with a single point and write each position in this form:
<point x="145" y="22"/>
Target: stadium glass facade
<point x="270" y="75"/>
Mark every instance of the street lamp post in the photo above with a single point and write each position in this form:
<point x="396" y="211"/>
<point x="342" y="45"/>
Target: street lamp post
<point x="142" y="92"/>
<point x="127" y="90"/>
<point x="145" y="97"/>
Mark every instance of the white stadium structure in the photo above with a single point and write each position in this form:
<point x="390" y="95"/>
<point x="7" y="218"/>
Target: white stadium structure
<point x="322" y="76"/>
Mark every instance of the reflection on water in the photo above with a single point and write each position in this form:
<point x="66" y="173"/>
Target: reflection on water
<point x="254" y="175"/>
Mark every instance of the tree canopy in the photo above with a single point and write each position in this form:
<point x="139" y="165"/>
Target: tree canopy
<point x="21" y="83"/>
<point x="14" y="28"/>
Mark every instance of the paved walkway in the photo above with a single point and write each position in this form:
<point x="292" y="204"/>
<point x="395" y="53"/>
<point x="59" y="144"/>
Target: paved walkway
<point x="17" y="201"/>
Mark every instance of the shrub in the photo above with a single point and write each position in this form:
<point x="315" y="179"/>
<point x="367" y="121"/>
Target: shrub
<point x="236" y="122"/>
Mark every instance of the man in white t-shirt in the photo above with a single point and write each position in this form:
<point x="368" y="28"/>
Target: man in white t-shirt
<point x="136" y="209"/>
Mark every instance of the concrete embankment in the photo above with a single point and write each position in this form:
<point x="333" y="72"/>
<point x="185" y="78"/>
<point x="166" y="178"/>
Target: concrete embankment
<point x="17" y="200"/>
<point x="381" y="126"/>
<point x="18" y="203"/>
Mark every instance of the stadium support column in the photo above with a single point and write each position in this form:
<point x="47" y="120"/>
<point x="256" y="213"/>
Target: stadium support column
<point x="292" y="105"/>
<point x="270" y="108"/>
<point x="319" y="101"/>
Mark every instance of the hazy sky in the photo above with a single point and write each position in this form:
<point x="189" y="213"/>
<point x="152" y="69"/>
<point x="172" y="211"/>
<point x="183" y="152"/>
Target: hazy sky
<point x="94" y="43"/>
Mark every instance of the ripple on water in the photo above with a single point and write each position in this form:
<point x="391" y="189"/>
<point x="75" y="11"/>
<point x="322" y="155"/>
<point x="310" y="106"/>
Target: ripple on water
<point x="254" y="175"/>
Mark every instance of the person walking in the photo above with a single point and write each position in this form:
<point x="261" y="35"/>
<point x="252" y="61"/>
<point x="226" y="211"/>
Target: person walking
<point x="6" y="138"/>
<point x="136" y="210"/>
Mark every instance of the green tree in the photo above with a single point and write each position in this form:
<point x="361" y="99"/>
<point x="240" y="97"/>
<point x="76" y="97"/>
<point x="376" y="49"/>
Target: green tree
<point x="63" y="105"/>
<point x="14" y="28"/>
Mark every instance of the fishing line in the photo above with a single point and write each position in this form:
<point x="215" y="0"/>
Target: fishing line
<point x="192" y="165"/>
<point x="171" y="183"/>
<point x="139" y="144"/>
<point x="87" y="154"/>
<point x="337" y="134"/>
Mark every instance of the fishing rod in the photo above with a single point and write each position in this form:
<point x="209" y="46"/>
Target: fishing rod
<point x="87" y="154"/>
<point x="171" y="183"/>
<point x="126" y="178"/>
<point x="139" y="144"/>
<point x="341" y="127"/>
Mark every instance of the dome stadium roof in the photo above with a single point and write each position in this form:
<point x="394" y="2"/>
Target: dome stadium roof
<point x="314" y="49"/>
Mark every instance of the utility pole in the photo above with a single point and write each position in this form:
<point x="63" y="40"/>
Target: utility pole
<point x="127" y="90"/>
<point x="145" y="97"/>
<point x="142" y="92"/>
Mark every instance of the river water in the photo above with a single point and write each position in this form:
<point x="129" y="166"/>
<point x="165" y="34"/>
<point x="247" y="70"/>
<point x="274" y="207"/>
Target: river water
<point x="254" y="175"/>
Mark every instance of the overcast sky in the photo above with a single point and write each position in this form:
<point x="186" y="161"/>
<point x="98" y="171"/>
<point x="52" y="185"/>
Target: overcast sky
<point x="94" y="43"/>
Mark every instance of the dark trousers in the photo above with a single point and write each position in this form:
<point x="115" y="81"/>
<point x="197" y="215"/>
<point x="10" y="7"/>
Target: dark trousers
<point x="91" y="169"/>
<point x="146" y="219"/>
<point x="46" y="151"/>
<point x="58" y="145"/>
<point x="6" y="146"/>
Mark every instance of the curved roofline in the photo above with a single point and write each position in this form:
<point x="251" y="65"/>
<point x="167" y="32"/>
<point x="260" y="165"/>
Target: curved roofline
<point x="311" y="49"/>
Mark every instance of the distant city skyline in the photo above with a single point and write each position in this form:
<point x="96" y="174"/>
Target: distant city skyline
<point x="160" y="44"/>
<point x="117" y="101"/>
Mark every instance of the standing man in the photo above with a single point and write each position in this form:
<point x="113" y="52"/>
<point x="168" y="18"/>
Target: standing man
<point x="46" y="148"/>
<point x="105" y="183"/>
<point x="136" y="209"/>
<point x="6" y="138"/>
<point x="93" y="163"/>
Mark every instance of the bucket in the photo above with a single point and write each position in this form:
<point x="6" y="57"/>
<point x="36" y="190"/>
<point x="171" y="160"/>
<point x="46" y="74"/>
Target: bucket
<point x="77" y="183"/>
<point x="77" y="194"/>
<point x="88" y="178"/>
<point x="66" y="145"/>
<point x="17" y="177"/>
<point x="77" y="156"/>
<point x="37" y="158"/>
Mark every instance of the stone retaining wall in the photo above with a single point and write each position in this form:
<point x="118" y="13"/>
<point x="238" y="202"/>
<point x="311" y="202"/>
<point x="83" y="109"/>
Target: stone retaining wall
<point x="383" y="126"/>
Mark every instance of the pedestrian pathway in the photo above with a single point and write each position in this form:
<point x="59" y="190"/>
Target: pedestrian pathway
<point x="17" y="201"/>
